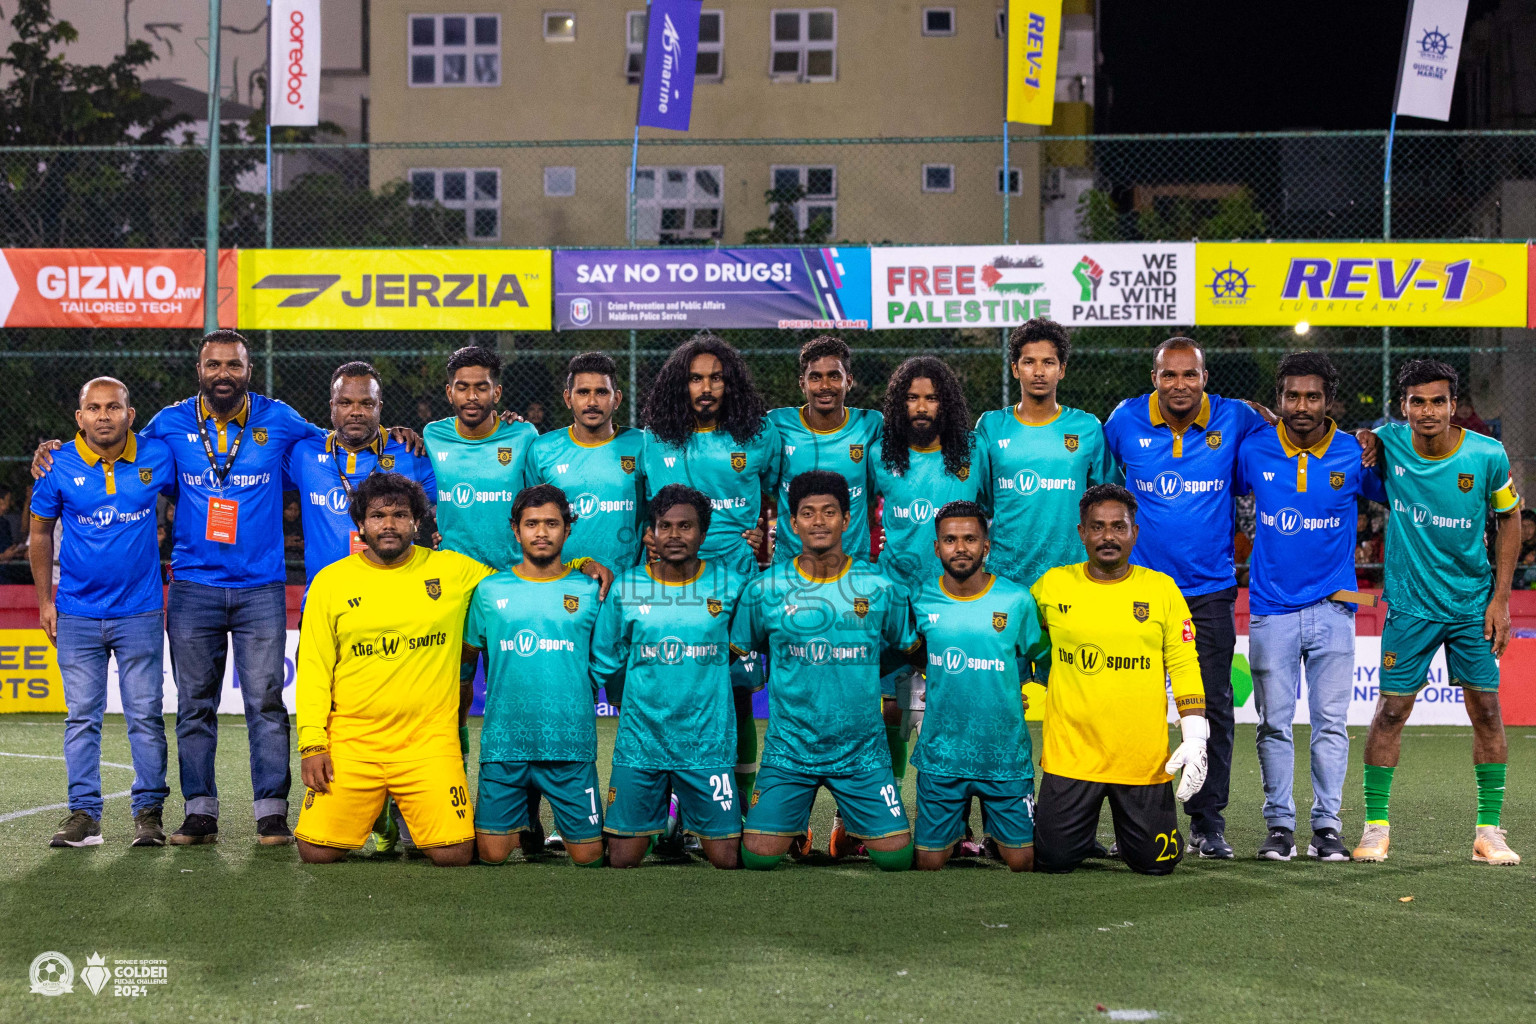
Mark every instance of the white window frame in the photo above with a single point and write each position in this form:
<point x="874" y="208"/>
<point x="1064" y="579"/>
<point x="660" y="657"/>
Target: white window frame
<point x="802" y="46"/>
<point x="469" y="204"/>
<point x="803" y="216"/>
<point x="947" y="10"/>
<point x="649" y="209"/>
<point x="554" y="193"/>
<point x="634" y="52"/>
<point x="948" y="167"/>
<point x="544" y="26"/>
<point x="438" y="50"/>
<point x="1014" y="172"/>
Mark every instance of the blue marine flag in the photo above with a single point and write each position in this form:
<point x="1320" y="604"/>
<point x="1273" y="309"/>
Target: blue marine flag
<point x="671" y="49"/>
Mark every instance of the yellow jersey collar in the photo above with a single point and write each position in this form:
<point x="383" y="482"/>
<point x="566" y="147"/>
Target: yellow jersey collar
<point x="1318" y="450"/>
<point x="847" y="564"/>
<point x="239" y="417"/>
<point x="570" y="432"/>
<point x="1202" y="418"/>
<point x="130" y="450"/>
<point x="807" y="423"/>
<point x="332" y="442"/>
<point x="974" y="597"/>
<point x="692" y="579"/>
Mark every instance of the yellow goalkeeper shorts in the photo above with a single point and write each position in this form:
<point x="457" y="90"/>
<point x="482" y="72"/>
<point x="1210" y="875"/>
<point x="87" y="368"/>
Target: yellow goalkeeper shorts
<point x="432" y="794"/>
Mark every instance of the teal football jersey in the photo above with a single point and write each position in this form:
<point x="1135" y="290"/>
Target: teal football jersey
<point x="911" y="499"/>
<point x="734" y="475"/>
<point x="1437" y="561"/>
<point x="823" y="638"/>
<point x="662" y="650"/>
<point x="602" y="482"/>
<point x="846" y="452"/>
<point x="1034" y="477"/>
<point x="973" y="727"/>
<point x="539" y="693"/>
<point x="477" y="481"/>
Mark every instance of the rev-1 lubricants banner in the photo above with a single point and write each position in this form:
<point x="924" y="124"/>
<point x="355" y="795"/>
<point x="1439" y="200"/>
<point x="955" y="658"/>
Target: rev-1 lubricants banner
<point x="395" y="289"/>
<point x="646" y="289"/>
<point x="1368" y="284"/>
<point x="1004" y="285"/>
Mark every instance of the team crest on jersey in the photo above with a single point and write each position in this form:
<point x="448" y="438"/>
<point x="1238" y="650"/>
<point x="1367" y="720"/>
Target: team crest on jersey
<point x="309" y="799"/>
<point x="627" y="463"/>
<point x="146" y="474"/>
<point x="1336" y="480"/>
<point x="386" y="462"/>
<point x="856" y="452"/>
<point x="714" y="605"/>
<point x="612" y="795"/>
<point x="1070" y="440"/>
<point x="572" y="602"/>
<point x="1389" y="659"/>
<point x="964" y="474"/>
<point x="1141" y="610"/>
<point x="434" y="589"/>
<point x="504" y="456"/>
<point x="1464" y="482"/>
<point x="861" y="606"/>
<point x="1213" y="439"/>
<point x="738" y="461"/>
<point x="999" y="621"/>
<point x="259" y="435"/>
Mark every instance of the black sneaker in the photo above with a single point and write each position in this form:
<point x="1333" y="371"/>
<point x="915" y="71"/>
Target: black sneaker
<point x="148" y="830"/>
<point x="1281" y="844"/>
<point x="195" y="831"/>
<point x="1327" y="846"/>
<point x="1098" y="852"/>
<point x="79" y="829"/>
<point x="1214" y="846"/>
<point x="273" y="830"/>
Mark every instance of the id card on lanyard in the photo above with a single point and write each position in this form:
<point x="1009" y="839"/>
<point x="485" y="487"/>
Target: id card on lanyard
<point x="354" y="538"/>
<point x="223" y="525"/>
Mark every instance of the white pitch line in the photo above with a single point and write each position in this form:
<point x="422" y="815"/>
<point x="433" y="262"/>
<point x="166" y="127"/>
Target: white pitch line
<point x="13" y="815"/>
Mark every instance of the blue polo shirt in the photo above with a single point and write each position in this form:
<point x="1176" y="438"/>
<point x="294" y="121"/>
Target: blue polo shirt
<point x="267" y="429"/>
<point x="109" y="553"/>
<point x="1183" y="482"/>
<point x="1305" y="508"/>
<point x="315" y="468"/>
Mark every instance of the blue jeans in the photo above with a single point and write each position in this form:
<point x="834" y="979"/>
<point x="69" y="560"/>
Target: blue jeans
<point x="1323" y="638"/>
<point x="85" y="645"/>
<point x="200" y="621"/>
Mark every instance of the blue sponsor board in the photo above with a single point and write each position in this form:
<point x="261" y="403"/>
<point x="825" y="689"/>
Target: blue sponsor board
<point x="646" y="289"/>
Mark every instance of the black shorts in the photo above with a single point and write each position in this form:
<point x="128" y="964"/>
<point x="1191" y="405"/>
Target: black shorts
<point x="1067" y="820"/>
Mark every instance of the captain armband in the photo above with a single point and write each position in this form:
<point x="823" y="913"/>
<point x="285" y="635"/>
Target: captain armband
<point x="1194" y="702"/>
<point x="1505" y="501"/>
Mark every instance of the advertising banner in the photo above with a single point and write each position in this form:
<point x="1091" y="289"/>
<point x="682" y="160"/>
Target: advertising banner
<point x="813" y="289"/>
<point x="1034" y="39"/>
<point x="29" y="672"/>
<point x="1003" y="285"/>
<point x="395" y="289"/>
<point x="671" y="51"/>
<point x="110" y="288"/>
<point x="1432" y="42"/>
<point x="1369" y="284"/>
<point x="294" y="38"/>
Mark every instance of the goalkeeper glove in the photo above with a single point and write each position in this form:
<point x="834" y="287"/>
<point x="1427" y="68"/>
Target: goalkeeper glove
<point x="1190" y="756"/>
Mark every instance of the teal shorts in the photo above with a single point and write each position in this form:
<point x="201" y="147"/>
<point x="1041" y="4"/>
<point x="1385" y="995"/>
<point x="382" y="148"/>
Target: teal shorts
<point x="870" y="802"/>
<point x="1408" y="644"/>
<point x="707" y="804"/>
<point x="1007" y="810"/>
<point x="506" y="787"/>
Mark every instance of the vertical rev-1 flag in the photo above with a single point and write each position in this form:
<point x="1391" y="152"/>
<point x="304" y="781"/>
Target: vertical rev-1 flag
<point x="1034" y="36"/>
<point x="294" y="63"/>
<point x="1426" y="75"/>
<point x="671" y="51"/>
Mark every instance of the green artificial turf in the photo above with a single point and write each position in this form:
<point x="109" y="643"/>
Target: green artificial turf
<point x="250" y="934"/>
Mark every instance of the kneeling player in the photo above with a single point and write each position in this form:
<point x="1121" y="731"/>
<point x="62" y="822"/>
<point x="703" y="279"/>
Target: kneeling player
<point x="662" y="649"/>
<point x="378" y="685"/>
<point x="824" y="619"/>
<point x="1116" y="630"/>
<point x="540" y="738"/>
<point x="975" y="627"/>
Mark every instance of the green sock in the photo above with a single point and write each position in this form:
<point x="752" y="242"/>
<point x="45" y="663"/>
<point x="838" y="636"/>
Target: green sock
<point x="746" y="749"/>
<point x="589" y="864"/>
<point x="1490" y="792"/>
<point x="464" y="740"/>
<point x="757" y="862"/>
<point x="892" y="860"/>
<point x="898" y="744"/>
<point x="1378" y="790"/>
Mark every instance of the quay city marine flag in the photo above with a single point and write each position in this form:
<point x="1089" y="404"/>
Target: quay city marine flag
<point x="1426" y="74"/>
<point x="1034" y="36"/>
<point x="671" y="51"/>
<point x="110" y="288"/>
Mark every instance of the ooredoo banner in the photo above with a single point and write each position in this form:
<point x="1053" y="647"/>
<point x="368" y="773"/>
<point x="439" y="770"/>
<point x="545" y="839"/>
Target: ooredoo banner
<point x="295" y="56"/>
<point x="1004" y="285"/>
<point x="111" y="288"/>
<point x="647" y="289"/>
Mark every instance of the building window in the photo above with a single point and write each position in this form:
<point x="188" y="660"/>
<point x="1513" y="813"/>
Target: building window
<point x="938" y="177"/>
<point x="1015" y="183"/>
<point x="559" y="27"/>
<point x="559" y="181"/>
<point x="674" y="204"/>
<point x="475" y="190"/>
<point x="938" y="21"/>
<point x="455" y="50"/>
<point x="710" y="65"/>
<point x="1000" y="23"/>
<point x="817" y="187"/>
<point x="804" y="46"/>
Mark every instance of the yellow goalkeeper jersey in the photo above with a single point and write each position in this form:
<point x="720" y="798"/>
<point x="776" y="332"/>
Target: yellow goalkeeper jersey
<point x="379" y="652"/>
<point x="1112" y="644"/>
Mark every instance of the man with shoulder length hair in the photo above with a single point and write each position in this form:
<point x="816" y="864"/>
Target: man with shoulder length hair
<point x="109" y="603"/>
<point x="1443" y="481"/>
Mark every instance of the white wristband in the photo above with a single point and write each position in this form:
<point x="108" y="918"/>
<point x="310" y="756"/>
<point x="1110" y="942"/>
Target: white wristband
<point x="1194" y="727"/>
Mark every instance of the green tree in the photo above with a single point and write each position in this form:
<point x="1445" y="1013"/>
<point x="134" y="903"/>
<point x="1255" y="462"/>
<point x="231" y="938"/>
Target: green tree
<point x="784" y="221"/>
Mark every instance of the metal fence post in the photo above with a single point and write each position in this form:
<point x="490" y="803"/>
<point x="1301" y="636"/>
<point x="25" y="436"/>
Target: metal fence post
<point x="211" y="213"/>
<point x="1386" y="236"/>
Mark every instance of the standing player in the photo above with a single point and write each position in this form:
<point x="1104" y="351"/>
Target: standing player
<point x="1117" y="631"/>
<point x="976" y="628"/>
<point x="1442" y="480"/>
<point x="598" y="462"/>
<point x="1306" y="480"/>
<point x="1036" y="459"/>
<point x="824" y="620"/>
<point x="540" y="737"/>
<point x="662" y="648"/>
<point x="377" y="684"/>
<point x="1179" y="448"/>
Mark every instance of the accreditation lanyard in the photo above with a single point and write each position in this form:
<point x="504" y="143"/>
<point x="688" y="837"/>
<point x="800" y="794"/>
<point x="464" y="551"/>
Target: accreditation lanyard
<point x="354" y="539"/>
<point x="223" y="514"/>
